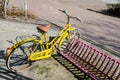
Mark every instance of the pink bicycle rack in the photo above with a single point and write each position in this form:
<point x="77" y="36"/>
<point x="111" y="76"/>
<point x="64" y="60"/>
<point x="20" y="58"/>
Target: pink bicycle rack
<point x="94" y="63"/>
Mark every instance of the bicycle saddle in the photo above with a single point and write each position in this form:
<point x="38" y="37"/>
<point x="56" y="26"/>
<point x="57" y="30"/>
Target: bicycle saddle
<point x="44" y="28"/>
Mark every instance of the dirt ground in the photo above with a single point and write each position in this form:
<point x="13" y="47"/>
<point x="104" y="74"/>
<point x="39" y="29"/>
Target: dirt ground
<point x="50" y="69"/>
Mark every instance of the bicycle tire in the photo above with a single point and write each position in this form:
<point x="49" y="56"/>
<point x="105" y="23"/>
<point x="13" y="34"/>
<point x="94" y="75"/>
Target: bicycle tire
<point x="18" y="61"/>
<point x="76" y="34"/>
<point x="73" y="34"/>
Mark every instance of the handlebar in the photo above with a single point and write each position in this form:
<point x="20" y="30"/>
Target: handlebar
<point x="63" y="11"/>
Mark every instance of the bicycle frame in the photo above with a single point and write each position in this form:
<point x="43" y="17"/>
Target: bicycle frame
<point x="47" y="51"/>
<point x="57" y="41"/>
<point x="25" y="51"/>
<point x="47" y="47"/>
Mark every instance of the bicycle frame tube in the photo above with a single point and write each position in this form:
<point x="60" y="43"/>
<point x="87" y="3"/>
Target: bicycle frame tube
<point x="61" y="35"/>
<point x="46" y="53"/>
<point x="21" y="42"/>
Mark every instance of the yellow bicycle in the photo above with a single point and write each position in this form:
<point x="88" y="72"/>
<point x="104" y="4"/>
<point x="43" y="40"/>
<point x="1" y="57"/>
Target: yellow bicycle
<point x="25" y="52"/>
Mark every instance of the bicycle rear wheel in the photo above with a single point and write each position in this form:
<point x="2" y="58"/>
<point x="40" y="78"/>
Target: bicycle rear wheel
<point x="18" y="58"/>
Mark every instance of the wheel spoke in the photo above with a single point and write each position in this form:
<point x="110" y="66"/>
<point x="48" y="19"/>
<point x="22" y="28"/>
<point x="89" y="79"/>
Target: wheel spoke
<point x="18" y="58"/>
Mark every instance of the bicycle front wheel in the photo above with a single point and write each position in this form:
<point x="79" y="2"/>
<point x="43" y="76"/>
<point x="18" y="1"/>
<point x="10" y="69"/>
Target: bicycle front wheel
<point x="67" y="38"/>
<point x="73" y="34"/>
<point x="76" y="34"/>
<point x="18" y="61"/>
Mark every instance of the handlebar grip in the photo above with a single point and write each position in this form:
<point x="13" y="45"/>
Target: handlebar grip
<point x="79" y="19"/>
<point x="62" y="11"/>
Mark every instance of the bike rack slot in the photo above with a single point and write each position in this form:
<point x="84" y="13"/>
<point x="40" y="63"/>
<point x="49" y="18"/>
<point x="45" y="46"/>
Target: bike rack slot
<point x="93" y="62"/>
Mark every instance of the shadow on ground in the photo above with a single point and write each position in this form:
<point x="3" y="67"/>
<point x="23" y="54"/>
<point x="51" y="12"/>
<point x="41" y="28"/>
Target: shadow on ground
<point x="105" y="12"/>
<point x="78" y="74"/>
<point x="2" y="54"/>
<point x="111" y="48"/>
<point x="7" y="75"/>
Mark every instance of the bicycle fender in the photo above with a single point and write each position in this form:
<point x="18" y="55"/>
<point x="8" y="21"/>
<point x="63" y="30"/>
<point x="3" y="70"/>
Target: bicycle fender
<point x="72" y="29"/>
<point x="21" y="42"/>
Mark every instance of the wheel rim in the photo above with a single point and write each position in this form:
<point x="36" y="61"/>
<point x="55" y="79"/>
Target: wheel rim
<point x="76" y="34"/>
<point x="18" y="60"/>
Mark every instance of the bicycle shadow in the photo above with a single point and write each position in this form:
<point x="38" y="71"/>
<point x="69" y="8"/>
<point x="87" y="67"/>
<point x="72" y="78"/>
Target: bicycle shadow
<point x="2" y="54"/>
<point x="7" y="75"/>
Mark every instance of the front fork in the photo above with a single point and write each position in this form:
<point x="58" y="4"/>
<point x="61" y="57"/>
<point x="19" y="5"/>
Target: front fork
<point x="67" y="35"/>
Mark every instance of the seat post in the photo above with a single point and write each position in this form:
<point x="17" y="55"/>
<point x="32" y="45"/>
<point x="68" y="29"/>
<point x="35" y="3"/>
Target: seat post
<point x="45" y="37"/>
